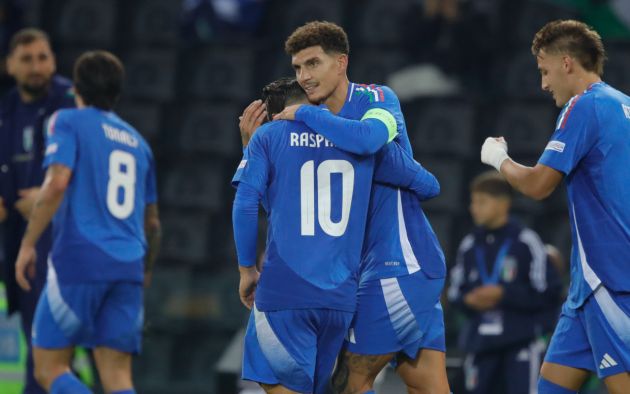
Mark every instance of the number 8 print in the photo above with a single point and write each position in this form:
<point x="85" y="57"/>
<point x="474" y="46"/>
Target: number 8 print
<point x="121" y="179"/>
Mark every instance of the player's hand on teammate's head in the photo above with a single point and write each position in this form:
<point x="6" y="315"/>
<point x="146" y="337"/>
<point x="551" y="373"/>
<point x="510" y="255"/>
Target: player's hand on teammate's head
<point x="3" y="211"/>
<point x="247" y="285"/>
<point x="253" y="116"/>
<point x="288" y="113"/>
<point x="494" y="151"/>
<point x="25" y="265"/>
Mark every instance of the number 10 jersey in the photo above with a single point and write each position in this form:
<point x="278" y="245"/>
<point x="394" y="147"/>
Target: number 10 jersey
<point x="316" y="198"/>
<point x="98" y="231"/>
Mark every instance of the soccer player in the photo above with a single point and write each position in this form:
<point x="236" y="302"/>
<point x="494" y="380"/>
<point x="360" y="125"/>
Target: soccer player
<point x="399" y="317"/>
<point x="509" y="291"/>
<point x="100" y="188"/>
<point x="316" y="198"/>
<point x="23" y="113"/>
<point x="590" y="148"/>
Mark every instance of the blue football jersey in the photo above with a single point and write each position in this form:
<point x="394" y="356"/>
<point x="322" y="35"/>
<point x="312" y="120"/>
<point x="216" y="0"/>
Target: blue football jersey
<point x="591" y="147"/>
<point x="399" y="239"/>
<point x="316" y="198"/>
<point x="98" y="231"/>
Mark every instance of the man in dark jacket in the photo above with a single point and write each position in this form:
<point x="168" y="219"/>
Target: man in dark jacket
<point x="504" y="283"/>
<point x="23" y="112"/>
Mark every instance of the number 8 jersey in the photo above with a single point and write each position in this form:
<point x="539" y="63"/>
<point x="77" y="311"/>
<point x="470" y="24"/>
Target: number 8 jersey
<point x="98" y="231"/>
<point x="316" y="198"/>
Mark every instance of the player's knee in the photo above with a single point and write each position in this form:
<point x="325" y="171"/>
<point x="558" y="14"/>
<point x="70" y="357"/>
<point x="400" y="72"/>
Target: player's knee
<point x="45" y="374"/>
<point x="355" y="373"/>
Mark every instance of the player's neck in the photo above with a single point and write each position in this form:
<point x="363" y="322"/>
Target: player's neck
<point x="584" y="81"/>
<point x="338" y="98"/>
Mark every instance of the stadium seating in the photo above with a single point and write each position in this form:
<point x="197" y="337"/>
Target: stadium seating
<point x="87" y="22"/>
<point x="155" y="22"/>
<point x="442" y="127"/>
<point x="194" y="184"/>
<point x="218" y="73"/>
<point x="185" y="236"/>
<point x="526" y="126"/>
<point x="145" y="117"/>
<point x="210" y="129"/>
<point x="151" y="74"/>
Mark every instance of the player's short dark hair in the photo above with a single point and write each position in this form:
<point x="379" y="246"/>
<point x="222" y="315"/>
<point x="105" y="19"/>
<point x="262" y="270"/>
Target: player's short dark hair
<point x="574" y="38"/>
<point x="98" y="79"/>
<point x="492" y="183"/>
<point x="26" y="36"/>
<point x="280" y="93"/>
<point x="331" y="37"/>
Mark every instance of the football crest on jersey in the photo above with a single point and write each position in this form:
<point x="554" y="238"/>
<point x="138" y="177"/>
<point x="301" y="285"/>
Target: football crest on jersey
<point x="27" y="138"/>
<point x="510" y="269"/>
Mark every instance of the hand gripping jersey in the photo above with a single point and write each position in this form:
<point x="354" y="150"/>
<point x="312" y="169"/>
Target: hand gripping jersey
<point x="591" y="147"/>
<point x="98" y="231"/>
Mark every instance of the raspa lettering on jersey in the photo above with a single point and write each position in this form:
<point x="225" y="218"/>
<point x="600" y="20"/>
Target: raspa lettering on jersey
<point x="309" y="140"/>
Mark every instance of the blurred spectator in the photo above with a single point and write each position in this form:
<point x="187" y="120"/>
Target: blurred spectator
<point x="504" y="283"/>
<point x="23" y="113"/>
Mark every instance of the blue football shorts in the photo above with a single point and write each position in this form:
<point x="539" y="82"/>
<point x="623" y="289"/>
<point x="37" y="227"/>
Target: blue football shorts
<point x="295" y="348"/>
<point x="108" y="314"/>
<point x="596" y="336"/>
<point x="401" y="314"/>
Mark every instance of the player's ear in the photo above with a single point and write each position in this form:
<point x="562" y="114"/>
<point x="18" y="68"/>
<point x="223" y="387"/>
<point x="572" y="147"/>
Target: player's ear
<point x="567" y="64"/>
<point x="342" y="63"/>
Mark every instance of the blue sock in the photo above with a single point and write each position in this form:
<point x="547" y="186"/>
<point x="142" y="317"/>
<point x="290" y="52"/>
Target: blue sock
<point x="370" y="392"/>
<point x="547" y="387"/>
<point x="128" y="391"/>
<point x="68" y="384"/>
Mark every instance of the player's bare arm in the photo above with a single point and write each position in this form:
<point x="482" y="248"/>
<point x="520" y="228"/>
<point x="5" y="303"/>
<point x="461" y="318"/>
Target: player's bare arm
<point x="537" y="182"/>
<point x="153" y="233"/>
<point x="48" y="200"/>
<point x="26" y="201"/>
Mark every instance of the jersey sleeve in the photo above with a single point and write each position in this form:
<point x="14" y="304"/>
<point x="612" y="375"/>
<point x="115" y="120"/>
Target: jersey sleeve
<point x="362" y="137"/>
<point x="396" y="167"/>
<point x="61" y="141"/>
<point x="255" y="171"/>
<point x="575" y="135"/>
<point x="239" y="169"/>
<point x="151" y="192"/>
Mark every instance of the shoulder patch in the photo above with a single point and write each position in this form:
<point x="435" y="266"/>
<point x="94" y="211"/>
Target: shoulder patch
<point x="558" y="146"/>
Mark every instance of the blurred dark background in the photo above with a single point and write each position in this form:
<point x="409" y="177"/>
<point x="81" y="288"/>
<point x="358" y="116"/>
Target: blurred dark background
<point x="462" y="69"/>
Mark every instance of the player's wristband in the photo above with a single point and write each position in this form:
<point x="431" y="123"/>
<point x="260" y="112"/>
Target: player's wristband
<point x="497" y="158"/>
